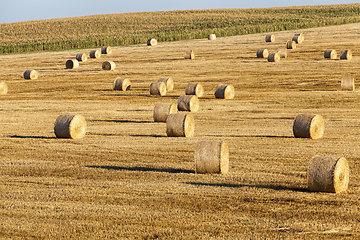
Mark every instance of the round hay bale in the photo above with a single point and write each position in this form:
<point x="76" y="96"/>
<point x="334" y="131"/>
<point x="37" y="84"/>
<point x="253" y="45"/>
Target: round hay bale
<point x="330" y="53"/>
<point x="270" y="38"/>
<point x="31" y="74"/>
<point x="180" y="125"/>
<point x="70" y="126"/>
<point x="346" y="55"/>
<point x="298" y="38"/>
<point x="169" y="83"/>
<point x="190" y="55"/>
<point x="282" y="53"/>
<point x="212" y="36"/>
<point x="328" y="174"/>
<point x="108" y="65"/>
<point x="72" y="63"/>
<point x="122" y="84"/>
<point x="188" y="103"/>
<point x="106" y="50"/>
<point x="291" y="45"/>
<point x="194" y="89"/>
<point x="212" y="157"/>
<point x="274" y="57"/>
<point x="152" y="42"/>
<point x="158" y="88"/>
<point x="308" y="126"/>
<point x="95" y="54"/>
<point x="3" y="88"/>
<point x="163" y="110"/>
<point x="348" y="84"/>
<point x="81" y="57"/>
<point x="225" y="91"/>
<point x="262" y="53"/>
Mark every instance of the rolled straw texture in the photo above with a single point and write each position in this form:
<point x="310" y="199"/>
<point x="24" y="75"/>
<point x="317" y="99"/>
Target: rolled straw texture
<point x="225" y="91"/>
<point x="163" y="110"/>
<point x="212" y="157"/>
<point x="70" y="126"/>
<point x="308" y="126"/>
<point x="122" y="84"/>
<point x="188" y="103"/>
<point x="180" y="125"/>
<point x="194" y="89"/>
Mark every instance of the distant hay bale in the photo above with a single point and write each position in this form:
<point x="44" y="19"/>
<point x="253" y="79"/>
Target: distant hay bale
<point x="212" y="157"/>
<point x="3" y="88"/>
<point x="163" y="110"/>
<point x="262" y="53"/>
<point x="190" y="55"/>
<point x="152" y="42"/>
<point x="282" y="53"/>
<point x="188" y="103"/>
<point x="329" y="53"/>
<point x="106" y="50"/>
<point x="274" y="57"/>
<point x="291" y="45"/>
<point x="348" y="84"/>
<point x="225" y="91"/>
<point x="270" y="38"/>
<point x="158" y="88"/>
<point x="70" y="126"/>
<point x="328" y="174"/>
<point x="180" y="125"/>
<point x="95" y="54"/>
<point x="108" y="65"/>
<point x="72" y="63"/>
<point x="194" y="89"/>
<point x="122" y="84"/>
<point x="308" y="126"/>
<point x="212" y="36"/>
<point x="298" y="38"/>
<point x="81" y="57"/>
<point x="169" y="83"/>
<point x="31" y="74"/>
<point x="346" y="55"/>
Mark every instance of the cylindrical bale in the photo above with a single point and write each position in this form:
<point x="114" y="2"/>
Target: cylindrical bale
<point x="158" y="88"/>
<point x="70" y="126"/>
<point x="122" y="84"/>
<point x="212" y="36"/>
<point x="346" y="55"/>
<point x="188" y="103"/>
<point x="282" y="53"/>
<point x="169" y="83"/>
<point x="31" y="74"/>
<point x="72" y="63"/>
<point x="95" y="54"/>
<point x="108" y="65"/>
<point x="270" y="38"/>
<point x="81" y="57"/>
<point x="298" y="38"/>
<point x="328" y="174"/>
<point x="291" y="45"/>
<point x="262" y="53"/>
<point x="274" y="57"/>
<point x="180" y="125"/>
<point x="308" y="126"/>
<point x="330" y="53"/>
<point x="163" y="110"/>
<point x="194" y="89"/>
<point x="212" y="157"/>
<point x="3" y="88"/>
<point x="152" y="42"/>
<point x="190" y="54"/>
<point x="106" y="50"/>
<point x="225" y="91"/>
<point x="348" y="84"/>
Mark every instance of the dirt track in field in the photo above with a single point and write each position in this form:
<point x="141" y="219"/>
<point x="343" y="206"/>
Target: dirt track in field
<point x="127" y="180"/>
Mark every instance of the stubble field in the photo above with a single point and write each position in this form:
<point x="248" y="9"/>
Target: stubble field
<point x="127" y="180"/>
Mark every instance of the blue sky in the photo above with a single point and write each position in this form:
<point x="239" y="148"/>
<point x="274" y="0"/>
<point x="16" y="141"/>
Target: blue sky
<point x="24" y="10"/>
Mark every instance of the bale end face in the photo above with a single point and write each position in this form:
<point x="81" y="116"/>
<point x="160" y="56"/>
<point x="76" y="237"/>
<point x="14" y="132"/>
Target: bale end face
<point x="270" y="38"/>
<point x="298" y="38"/>
<point x="194" y="89"/>
<point x="158" y="88"/>
<point x="188" y="103"/>
<point x="108" y="65"/>
<point x="72" y="64"/>
<point x="212" y="157"/>
<point x="328" y="174"/>
<point x="211" y="37"/>
<point x="81" y="57"/>
<point x="122" y="84"/>
<point x="3" y="88"/>
<point x="331" y="54"/>
<point x="106" y="50"/>
<point x="346" y="55"/>
<point x="152" y="42"/>
<point x="31" y="74"/>
<point x="168" y="82"/>
<point x="262" y="53"/>
<point x="274" y="57"/>
<point x="95" y="54"/>
<point x="180" y="125"/>
<point x="163" y="110"/>
<point x="348" y="84"/>
<point x="70" y="126"/>
<point x="225" y="92"/>
<point x="308" y="126"/>
<point x="291" y="45"/>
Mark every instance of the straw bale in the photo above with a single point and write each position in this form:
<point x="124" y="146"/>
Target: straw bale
<point x="309" y="126"/>
<point x="122" y="84"/>
<point x="70" y="126"/>
<point x="188" y="103"/>
<point x="163" y="110"/>
<point x="194" y="89"/>
<point x="212" y="157"/>
<point x="225" y="91"/>
<point x="180" y="125"/>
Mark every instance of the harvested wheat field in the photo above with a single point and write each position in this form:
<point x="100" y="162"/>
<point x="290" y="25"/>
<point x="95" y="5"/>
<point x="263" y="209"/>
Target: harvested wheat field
<point x="127" y="180"/>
